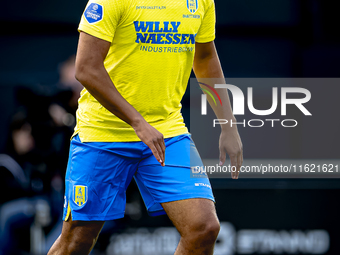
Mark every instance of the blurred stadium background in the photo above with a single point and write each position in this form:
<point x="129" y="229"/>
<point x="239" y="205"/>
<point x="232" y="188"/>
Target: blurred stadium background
<point x="38" y="93"/>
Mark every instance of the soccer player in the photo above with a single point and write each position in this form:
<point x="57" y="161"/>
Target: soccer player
<point x="134" y="59"/>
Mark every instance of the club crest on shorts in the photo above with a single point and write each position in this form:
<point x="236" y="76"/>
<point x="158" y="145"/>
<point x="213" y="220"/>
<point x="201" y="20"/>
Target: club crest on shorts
<point x="80" y="195"/>
<point x="94" y="13"/>
<point x="192" y="5"/>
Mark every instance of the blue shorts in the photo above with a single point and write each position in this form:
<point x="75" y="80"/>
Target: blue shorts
<point x="98" y="175"/>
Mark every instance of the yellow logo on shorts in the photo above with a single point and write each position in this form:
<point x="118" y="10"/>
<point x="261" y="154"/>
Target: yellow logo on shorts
<point x="80" y="195"/>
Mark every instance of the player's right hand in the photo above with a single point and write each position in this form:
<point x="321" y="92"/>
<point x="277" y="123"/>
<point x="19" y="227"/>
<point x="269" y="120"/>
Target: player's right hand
<point x="153" y="139"/>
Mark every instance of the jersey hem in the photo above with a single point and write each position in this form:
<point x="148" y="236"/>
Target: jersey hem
<point x="84" y="138"/>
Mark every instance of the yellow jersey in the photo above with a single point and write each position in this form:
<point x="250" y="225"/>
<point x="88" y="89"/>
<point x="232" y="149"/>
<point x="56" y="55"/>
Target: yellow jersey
<point x="149" y="62"/>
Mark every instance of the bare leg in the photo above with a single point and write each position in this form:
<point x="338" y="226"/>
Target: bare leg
<point x="77" y="237"/>
<point x="197" y="223"/>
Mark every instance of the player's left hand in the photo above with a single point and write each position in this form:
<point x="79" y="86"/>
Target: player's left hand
<point x="230" y="142"/>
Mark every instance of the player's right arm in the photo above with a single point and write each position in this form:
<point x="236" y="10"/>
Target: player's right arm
<point x="91" y="73"/>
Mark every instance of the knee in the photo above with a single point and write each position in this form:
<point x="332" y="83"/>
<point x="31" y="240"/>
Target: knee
<point x="211" y="231"/>
<point x="204" y="233"/>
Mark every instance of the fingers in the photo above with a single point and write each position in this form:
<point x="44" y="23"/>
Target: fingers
<point x="160" y="148"/>
<point x="222" y="157"/>
<point x="233" y="160"/>
<point x="157" y="152"/>
<point x="157" y="147"/>
<point x="231" y="143"/>
<point x="236" y="161"/>
<point x="163" y="151"/>
<point x="153" y="139"/>
<point x="239" y="164"/>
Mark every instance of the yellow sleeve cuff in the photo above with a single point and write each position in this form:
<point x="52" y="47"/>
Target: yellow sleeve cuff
<point x="205" y="39"/>
<point x="95" y="33"/>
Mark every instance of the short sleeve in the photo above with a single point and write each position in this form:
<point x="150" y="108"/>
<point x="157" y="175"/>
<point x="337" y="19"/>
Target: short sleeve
<point x="101" y="18"/>
<point x="206" y="32"/>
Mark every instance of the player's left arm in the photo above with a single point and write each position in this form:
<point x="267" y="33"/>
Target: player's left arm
<point x="207" y="65"/>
